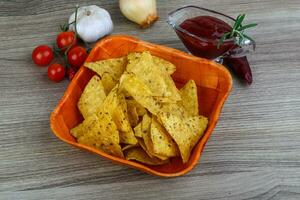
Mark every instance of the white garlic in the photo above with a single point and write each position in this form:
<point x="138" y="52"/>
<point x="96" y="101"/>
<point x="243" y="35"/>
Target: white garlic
<point x="93" y="23"/>
<point x="142" y="12"/>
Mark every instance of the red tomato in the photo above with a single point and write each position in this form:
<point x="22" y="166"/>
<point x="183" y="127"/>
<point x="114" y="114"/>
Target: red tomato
<point x="77" y="56"/>
<point x="66" y="39"/>
<point x="71" y="73"/>
<point x="56" y="72"/>
<point x="42" y="55"/>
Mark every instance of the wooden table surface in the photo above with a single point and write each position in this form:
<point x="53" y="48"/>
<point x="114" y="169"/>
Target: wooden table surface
<point x="253" y="153"/>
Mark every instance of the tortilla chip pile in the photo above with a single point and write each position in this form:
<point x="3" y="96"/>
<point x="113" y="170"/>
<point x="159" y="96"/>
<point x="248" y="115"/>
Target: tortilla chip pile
<point x="132" y="109"/>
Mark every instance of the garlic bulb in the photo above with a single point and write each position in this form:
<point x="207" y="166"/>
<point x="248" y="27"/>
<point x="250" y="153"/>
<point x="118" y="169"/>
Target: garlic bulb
<point x="142" y="12"/>
<point x="92" y="23"/>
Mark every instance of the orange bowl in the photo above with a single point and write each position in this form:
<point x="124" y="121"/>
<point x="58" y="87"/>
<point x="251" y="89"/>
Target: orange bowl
<point x="213" y="82"/>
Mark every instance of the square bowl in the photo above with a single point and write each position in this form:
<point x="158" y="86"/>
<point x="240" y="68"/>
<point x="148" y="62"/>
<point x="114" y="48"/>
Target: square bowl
<point x="213" y="82"/>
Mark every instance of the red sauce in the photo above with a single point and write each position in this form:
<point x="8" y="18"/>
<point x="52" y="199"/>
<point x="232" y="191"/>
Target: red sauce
<point x="208" y="31"/>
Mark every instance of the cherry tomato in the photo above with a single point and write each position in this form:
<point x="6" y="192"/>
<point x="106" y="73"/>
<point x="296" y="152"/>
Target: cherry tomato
<point x="56" y="72"/>
<point x="42" y="55"/>
<point x="71" y="73"/>
<point x="77" y="56"/>
<point x="65" y="39"/>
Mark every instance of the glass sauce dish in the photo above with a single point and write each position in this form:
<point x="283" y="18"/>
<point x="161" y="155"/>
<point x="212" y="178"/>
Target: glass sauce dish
<point x="200" y="30"/>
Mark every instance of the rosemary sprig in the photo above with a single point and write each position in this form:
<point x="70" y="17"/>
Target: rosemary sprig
<point x="237" y="31"/>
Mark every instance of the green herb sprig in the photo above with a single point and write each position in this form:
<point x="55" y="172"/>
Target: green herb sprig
<point x="237" y="31"/>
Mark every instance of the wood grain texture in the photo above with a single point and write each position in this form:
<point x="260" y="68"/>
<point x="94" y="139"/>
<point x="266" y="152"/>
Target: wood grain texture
<point x="254" y="152"/>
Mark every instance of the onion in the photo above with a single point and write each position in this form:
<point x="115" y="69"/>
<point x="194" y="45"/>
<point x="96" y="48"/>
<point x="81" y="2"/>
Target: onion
<point x="142" y="12"/>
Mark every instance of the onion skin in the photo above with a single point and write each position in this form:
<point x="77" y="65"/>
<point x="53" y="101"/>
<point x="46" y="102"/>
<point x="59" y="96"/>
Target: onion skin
<point x="142" y="12"/>
<point x="241" y="67"/>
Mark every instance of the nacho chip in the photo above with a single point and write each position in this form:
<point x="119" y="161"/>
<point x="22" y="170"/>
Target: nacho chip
<point x="146" y="123"/>
<point x="198" y="126"/>
<point x="109" y="70"/>
<point x="101" y="134"/>
<point x="115" y="67"/>
<point x="163" y="143"/>
<point x="83" y="127"/>
<point x="143" y="68"/>
<point x="189" y="97"/>
<point x="163" y="65"/>
<point x="115" y="104"/>
<point x="92" y="97"/>
<point x="174" y="108"/>
<point x="149" y="147"/>
<point x="140" y="155"/>
<point x="142" y="144"/>
<point x="182" y="133"/>
<point x="138" y="107"/>
<point x="138" y="130"/>
<point x="140" y="92"/>
<point x="132" y="113"/>
<point x="128" y="146"/>
<point x="157" y="80"/>
<point x="108" y="82"/>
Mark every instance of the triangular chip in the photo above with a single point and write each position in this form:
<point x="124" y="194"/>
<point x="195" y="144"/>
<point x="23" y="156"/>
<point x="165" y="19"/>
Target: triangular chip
<point x="101" y="134"/>
<point x="92" y="97"/>
<point x="149" y="146"/>
<point x="110" y="71"/>
<point x="163" y="143"/>
<point x="128" y="146"/>
<point x="138" y="130"/>
<point x="138" y="154"/>
<point x="115" y="104"/>
<point x="140" y="92"/>
<point x="108" y="82"/>
<point x="132" y="113"/>
<point x="115" y="67"/>
<point x="146" y="124"/>
<point x="189" y="97"/>
<point x="138" y="107"/>
<point x="158" y="81"/>
<point x="184" y="131"/>
<point x="164" y="65"/>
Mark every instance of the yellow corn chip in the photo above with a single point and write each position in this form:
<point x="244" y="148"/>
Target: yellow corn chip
<point x="138" y="107"/>
<point x="164" y="65"/>
<point x="174" y="108"/>
<point x="92" y="97"/>
<point x="115" y="104"/>
<point x="132" y="113"/>
<point x="143" y="68"/>
<point x="142" y="144"/>
<point x="115" y="67"/>
<point x="158" y="81"/>
<point x="83" y="127"/>
<point x="128" y="146"/>
<point x="140" y="155"/>
<point x="146" y="124"/>
<point x="138" y="130"/>
<point x="108" y="82"/>
<point x="161" y="64"/>
<point x="140" y="92"/>
<point x="189" y="97"/>
<point x="181" y="131"/>
<point x="163" y="143"/>
<point x="109" y="70"/>
<point x="101" y="134"/>
<point x="149" y="146"/>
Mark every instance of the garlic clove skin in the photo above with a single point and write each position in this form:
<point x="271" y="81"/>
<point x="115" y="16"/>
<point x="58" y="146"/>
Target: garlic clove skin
<point x="142" y="12"/>
<point x="93" y="23"/>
